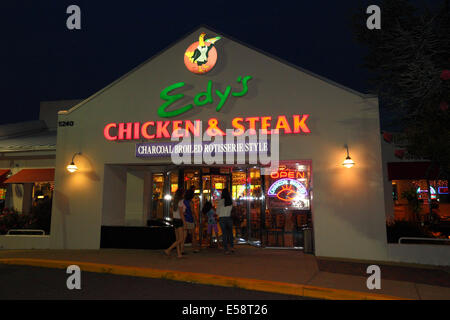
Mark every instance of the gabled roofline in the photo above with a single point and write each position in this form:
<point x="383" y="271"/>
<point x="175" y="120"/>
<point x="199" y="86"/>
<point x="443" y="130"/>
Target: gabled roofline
<point x="362" y="95"/>
<point x="93" y="96"/>
<point x="128" y="73"/>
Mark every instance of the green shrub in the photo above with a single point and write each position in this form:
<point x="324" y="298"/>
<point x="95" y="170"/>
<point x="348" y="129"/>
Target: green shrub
<point x="11" y="219"/>
<point x="39" y="218"/>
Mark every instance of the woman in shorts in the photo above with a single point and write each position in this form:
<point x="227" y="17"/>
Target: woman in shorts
<point x="178" y="223"/>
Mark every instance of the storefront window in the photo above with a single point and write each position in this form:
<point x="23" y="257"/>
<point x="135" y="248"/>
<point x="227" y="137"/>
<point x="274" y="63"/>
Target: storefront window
<point x="41" y="209"/>
<point x="239" y="195"/>
<point x="270" y="210"/>
<point x="418" y="214"/>
<point x="288" y="204"/>
<point x="238" y="184"/>
<point x="439" y="197"/>
<point x="254" y="203"/>
<point x="2" y="198"/>
<point x="192" y="182"/>
<point x="173" y="183"/>
<point x="42" y="190"/>
<point x="158" y="196"/>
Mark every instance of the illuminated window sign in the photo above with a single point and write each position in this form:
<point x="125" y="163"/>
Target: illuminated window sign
<point x="286" y="173"/>
<point x="443" y="190"/>
<point x="422" y="194"/>
<point x="151" y="130"/>
<point x="287" y="190"/>
<point x="288" y="187"/>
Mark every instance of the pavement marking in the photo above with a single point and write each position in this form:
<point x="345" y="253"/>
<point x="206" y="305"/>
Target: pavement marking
<point x="207" y="279"/>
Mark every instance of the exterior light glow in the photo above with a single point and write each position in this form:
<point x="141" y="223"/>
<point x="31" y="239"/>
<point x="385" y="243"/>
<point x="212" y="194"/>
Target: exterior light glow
<point x="72" y="166"/>
<point x="168" y="197"/>
<point x="348" y="162"/>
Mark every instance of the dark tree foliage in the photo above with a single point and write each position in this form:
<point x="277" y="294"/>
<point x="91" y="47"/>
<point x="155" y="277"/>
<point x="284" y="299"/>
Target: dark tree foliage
<point x="410" y="61"/>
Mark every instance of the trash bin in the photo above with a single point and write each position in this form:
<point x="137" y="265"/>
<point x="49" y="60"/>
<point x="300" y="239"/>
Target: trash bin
<point x="308" y="240"/>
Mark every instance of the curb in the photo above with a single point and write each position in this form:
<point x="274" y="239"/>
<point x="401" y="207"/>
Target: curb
<point x="206" y="279"/>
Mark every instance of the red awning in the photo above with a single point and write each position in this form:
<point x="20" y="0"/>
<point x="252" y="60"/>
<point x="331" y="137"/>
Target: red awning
<point x="32" y="175"/>
<point x="3" y="176"/>
<point x="410" y="171"/>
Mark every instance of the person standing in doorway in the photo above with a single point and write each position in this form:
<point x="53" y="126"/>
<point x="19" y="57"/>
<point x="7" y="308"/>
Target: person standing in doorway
<point x="209" y="212"/>
<point x="178" y="223"/>
<point x="189" y="220"/>
<point x="226" y="223"/>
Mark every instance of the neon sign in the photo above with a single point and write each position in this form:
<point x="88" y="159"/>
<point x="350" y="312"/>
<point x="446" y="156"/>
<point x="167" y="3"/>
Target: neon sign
<point x="151" y="130"/>
<point x="420" y="192"/>
<point x="443" y="190"/>
<point x="289" y="186"/>
<point x="287" y="173"/>
<point x="201" y="99"/>
<point x="288" y="190"/>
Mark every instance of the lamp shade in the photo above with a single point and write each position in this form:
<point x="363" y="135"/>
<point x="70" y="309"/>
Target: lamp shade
<point x="72" y="167"/>
<point x="348" y="162"/>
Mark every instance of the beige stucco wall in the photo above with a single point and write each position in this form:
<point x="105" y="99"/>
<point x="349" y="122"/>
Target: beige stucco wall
<point x="348" y="204"/>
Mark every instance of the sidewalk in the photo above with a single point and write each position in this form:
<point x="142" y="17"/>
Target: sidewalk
<point x="281" y="271"/>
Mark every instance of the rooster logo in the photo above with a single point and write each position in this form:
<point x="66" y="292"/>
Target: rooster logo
<point x="287" y="193"/>
<point x="201" y="56"/>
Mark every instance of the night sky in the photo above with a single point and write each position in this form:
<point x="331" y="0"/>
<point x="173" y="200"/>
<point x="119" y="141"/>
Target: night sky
<point x="42" y="60"/>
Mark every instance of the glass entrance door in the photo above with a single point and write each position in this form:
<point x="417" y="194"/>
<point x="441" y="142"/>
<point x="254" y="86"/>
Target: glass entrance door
<point x="239" y="195"/>
<point x="254" y="205"/>
<point x="212" y="187"/>
<point x="248" y="199"/>
<point x="157" y="196"/>
<point x="214" y="180"/>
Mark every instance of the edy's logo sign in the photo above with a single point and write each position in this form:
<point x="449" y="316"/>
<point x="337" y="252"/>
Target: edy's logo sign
<point x="201" y="99"/>
<point x="201" y="56"/>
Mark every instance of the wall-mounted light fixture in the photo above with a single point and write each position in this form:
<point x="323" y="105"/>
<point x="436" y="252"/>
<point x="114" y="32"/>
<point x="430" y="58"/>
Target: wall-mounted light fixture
<point x="72" y="166"/>
<point x="348" y="162"/>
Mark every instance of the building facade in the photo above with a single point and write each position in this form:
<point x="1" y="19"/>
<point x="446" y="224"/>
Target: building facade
<point x="120" y="141"/>
<point x="347" y="205"/>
